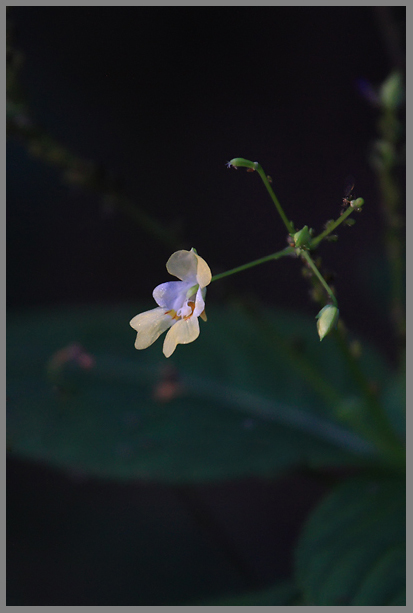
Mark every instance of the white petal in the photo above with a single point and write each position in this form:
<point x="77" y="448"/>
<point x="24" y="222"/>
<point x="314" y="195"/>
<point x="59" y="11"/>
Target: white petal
<point x="183" y="264"/>
<point x="183" y="332"/>
<point x="199" y="303"/>
<point x="167" y="295"/>
<point x="149" y="326"/>
<point x="203" y="272"/>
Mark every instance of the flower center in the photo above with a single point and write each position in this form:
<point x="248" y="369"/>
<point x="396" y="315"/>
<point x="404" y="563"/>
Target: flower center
<point x="191" y="305"/>
<point x="185" y="312"/>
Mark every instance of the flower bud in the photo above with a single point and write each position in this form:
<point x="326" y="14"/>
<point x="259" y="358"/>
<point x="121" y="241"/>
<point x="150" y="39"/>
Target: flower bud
<point x="357" y="204"/>
<point x="242" y="163"/>
<point x="302" y="238"/>
<point x="327" y="320"/>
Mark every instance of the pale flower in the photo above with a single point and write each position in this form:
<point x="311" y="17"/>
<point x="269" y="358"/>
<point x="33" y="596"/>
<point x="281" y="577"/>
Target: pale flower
<point x="180" y="303"/>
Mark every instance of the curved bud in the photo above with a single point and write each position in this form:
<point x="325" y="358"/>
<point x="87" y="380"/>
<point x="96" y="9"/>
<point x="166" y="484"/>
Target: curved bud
<point x="327" y="320"/>
<point x="242" y="163"/>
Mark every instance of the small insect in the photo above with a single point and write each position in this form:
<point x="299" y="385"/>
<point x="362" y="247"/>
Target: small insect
<point x="348" y="195"/>
<point x="348" y="192"/>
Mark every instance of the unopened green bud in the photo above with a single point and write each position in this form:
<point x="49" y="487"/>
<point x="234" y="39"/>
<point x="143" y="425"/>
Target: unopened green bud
<point x="327" y="320"/>
<point x="302" y="238"/>
<point x="358" y="203"/>
<point x="242" y="163"/>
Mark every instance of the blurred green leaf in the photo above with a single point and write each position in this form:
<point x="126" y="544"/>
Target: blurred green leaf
<point x="352" y="550"/>
<point x="229" y="405"/>
<point x="284" y="593"/>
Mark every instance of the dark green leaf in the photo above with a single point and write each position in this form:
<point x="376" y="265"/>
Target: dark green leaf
<point x="352" y="550"/>
<point x="394" y="400"/>
<point x="235" y="403"/>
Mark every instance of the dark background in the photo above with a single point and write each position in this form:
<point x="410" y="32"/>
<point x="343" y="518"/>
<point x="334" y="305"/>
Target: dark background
<point x="161" y="98"/>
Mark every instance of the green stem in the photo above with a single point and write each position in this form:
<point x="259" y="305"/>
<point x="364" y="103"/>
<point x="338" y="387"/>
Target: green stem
<point x="267" y="258"/>
<point x="315" y="241"/>
<point x="391" y="203"/>
<point x="274" y="198"/>
<point x="320" y="277"/>
<point x="243" y="163"/>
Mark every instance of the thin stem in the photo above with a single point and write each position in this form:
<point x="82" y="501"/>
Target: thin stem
<point x="274" y="198"/>
<point x="386" y="167"/>
<point x="74" y="170"/>
<point x="315" y="241"/>
<point x="267" y="258"/>
<point x="320" y="277"/>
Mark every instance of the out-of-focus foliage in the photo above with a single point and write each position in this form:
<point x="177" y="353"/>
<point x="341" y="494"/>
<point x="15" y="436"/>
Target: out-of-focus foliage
<point x="284" y="593"/>
<point x="230" y="405"/>
<point x="353" y="551"/>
